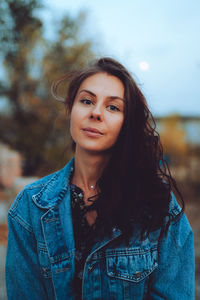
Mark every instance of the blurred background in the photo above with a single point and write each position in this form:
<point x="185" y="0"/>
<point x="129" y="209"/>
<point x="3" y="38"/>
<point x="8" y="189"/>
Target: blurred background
<point x="158" y="41"/>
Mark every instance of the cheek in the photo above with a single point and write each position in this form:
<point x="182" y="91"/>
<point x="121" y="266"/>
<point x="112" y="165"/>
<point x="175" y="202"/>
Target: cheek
<point x="120" y="124"/>
<point x="115" y="128"/>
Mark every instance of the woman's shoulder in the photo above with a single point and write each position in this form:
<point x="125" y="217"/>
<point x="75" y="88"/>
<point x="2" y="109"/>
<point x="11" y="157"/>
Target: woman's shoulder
<point x="174" y="207"/>
<point x="180" y="228"/>
<point x="42" y="193"/>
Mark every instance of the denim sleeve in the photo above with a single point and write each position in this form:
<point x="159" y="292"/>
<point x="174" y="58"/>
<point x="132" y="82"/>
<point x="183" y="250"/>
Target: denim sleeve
<point x="174" y="277"/>
<point x="23" y="273"/>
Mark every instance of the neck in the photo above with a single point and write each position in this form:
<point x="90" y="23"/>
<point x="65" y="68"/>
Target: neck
<point x="88" y="168"/>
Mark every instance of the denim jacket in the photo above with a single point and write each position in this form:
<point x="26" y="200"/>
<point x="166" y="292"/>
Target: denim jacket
<point x="40" y="253"/>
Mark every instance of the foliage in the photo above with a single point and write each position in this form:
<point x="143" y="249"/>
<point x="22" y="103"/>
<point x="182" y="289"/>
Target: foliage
<point x="36" y="126"/>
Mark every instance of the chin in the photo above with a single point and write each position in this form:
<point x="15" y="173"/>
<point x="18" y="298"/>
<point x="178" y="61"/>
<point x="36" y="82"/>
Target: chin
<point x="93" y="149"/>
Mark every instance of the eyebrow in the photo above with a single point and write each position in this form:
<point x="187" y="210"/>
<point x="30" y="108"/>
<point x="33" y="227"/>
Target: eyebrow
<point x="111" y="97"/>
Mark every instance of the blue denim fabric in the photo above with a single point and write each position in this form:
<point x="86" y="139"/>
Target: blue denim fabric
<point x="40" y="253"/>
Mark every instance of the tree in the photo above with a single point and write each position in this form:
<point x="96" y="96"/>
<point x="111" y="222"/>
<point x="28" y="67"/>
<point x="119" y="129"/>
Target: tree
<point x="36" y="126"/>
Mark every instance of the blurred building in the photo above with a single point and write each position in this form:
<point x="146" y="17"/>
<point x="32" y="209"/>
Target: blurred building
<point x="11" y="180"/>
<point x="190" y="125"/>
<point x="180" y="137"/>
<point x="10" y="166"/>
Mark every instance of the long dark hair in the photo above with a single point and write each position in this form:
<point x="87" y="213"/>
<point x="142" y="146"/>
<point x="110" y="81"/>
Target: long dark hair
<point x="136" y="184"/>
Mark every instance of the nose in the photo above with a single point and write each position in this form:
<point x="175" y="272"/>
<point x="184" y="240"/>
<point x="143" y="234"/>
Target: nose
<point x="96" y="113"/>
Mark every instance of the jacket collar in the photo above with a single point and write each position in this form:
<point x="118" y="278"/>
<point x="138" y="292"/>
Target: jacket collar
<point x="54" y="189"/>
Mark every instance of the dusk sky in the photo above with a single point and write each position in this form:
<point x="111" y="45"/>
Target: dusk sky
<point x="158" y="41"/>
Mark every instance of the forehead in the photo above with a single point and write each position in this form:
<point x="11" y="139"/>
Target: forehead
<point x="103" y="83"/>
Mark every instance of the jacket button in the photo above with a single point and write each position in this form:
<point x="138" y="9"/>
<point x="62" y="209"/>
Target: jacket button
<point x="137" y="274"/>
<point x="90" y="268"/>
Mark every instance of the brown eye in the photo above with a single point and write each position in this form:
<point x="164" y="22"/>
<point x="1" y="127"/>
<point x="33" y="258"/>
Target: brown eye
<point x="113" y="108"/>
<point x="86" y="101"/>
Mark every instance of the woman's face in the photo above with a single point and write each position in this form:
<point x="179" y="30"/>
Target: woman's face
<point x="97" y="113"/>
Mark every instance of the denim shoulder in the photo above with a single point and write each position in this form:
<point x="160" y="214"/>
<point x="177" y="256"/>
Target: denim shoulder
<point x="25" y="208"/>
<point x="26" y="193"/>
<point x="180" y="228"/>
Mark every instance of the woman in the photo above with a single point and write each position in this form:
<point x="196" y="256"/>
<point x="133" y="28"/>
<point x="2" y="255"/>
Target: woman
<point x="107" y="225"/>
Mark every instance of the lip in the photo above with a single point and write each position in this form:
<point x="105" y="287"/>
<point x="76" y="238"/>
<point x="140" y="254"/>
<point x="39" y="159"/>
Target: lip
<point x="92" y="130"/>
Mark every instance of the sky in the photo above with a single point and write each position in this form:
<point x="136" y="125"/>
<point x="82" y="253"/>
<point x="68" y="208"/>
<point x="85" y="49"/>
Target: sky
<point x="158" y="41"/>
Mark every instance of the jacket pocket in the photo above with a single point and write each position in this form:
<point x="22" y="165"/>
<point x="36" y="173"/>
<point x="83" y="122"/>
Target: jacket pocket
<point x="132" y="265"/>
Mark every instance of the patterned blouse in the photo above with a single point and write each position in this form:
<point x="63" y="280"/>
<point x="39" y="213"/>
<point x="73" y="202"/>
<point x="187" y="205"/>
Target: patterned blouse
<point x="84" y="234"/>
